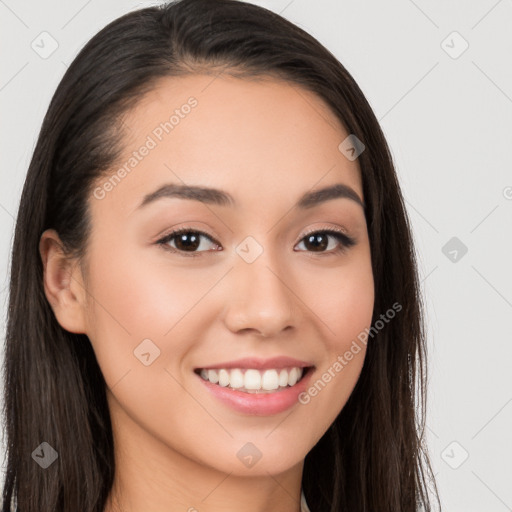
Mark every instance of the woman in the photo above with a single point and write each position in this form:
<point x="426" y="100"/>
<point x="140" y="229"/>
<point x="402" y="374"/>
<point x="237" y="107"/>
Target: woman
<point x="214" y="300"/>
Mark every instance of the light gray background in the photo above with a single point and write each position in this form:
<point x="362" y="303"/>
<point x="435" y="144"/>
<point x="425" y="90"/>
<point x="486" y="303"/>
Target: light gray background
<point x="447" y="118"/>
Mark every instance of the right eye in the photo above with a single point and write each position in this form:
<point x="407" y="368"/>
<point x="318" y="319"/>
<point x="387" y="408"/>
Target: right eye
<point x="187" y="241"/>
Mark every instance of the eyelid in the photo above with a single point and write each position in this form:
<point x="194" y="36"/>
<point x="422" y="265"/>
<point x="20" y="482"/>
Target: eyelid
<point x="163" y="240"/>
<point x="325" y="228"/>
<point x="346" y="241"/>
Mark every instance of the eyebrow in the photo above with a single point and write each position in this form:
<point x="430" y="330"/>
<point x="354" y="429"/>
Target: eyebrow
<point x="221" y="198"/>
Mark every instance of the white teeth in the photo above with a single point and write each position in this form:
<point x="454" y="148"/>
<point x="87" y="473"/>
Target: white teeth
<point x="236" y="379"/>
<point x="213" y="376"/>
<point x="252" y="380"/>
<point x="270" y="380"/>
<point x="223" y="378"/>
<point x="293" y="376"/>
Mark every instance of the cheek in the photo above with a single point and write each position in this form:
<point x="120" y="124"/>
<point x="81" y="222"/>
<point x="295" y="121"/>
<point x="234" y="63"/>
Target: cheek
<point x="344" y="305"/>
<point x="136" y="300"/>
<point x="132" y="301"/>
<point x="140" y="298"/>
<point x="342" y="300"/>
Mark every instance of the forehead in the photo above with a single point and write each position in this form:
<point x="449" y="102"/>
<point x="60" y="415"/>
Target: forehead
<point x="245" y="136"/>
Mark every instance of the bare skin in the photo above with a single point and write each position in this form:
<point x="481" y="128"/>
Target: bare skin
<point x="266" y="143"/>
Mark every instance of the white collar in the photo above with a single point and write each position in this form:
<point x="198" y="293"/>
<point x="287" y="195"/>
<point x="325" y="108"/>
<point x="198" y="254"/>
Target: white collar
<point x="303" y="505"/>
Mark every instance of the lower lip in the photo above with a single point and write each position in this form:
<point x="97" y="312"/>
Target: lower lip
<point x="259" y="404"/>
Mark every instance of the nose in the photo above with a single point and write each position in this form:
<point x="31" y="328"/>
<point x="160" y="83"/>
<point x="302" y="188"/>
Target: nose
<point x="260" y="298"/>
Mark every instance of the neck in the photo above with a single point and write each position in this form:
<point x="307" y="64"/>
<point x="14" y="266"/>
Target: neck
<point x="150" y="475"/>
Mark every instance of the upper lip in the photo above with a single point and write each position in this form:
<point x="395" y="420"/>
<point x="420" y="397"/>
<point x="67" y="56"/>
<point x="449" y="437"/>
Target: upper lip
<point x="260" y="364"/>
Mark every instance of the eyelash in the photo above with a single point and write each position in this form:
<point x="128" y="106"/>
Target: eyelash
<point x="345" y="241"/>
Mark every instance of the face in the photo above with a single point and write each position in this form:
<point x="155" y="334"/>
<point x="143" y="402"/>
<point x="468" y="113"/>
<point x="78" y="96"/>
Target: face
<point x="255" y="275"/>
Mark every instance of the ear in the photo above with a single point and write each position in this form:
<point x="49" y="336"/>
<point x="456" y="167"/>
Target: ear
<point x="63" y="283"/>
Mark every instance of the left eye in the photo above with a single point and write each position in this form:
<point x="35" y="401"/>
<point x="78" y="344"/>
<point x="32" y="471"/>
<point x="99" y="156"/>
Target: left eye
<point x="319" y="240"/>
<point x="188" y="241"/>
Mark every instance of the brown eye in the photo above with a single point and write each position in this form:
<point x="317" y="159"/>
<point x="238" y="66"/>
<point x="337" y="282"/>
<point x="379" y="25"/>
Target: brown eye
<point x="318" y="241"/>
<point x="187" y="241"/>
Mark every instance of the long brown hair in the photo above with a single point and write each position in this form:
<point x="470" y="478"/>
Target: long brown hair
<point x="373" y="457"/>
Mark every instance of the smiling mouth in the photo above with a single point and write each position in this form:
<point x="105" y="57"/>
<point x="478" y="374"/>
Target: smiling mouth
<point x="251" y="380"/>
